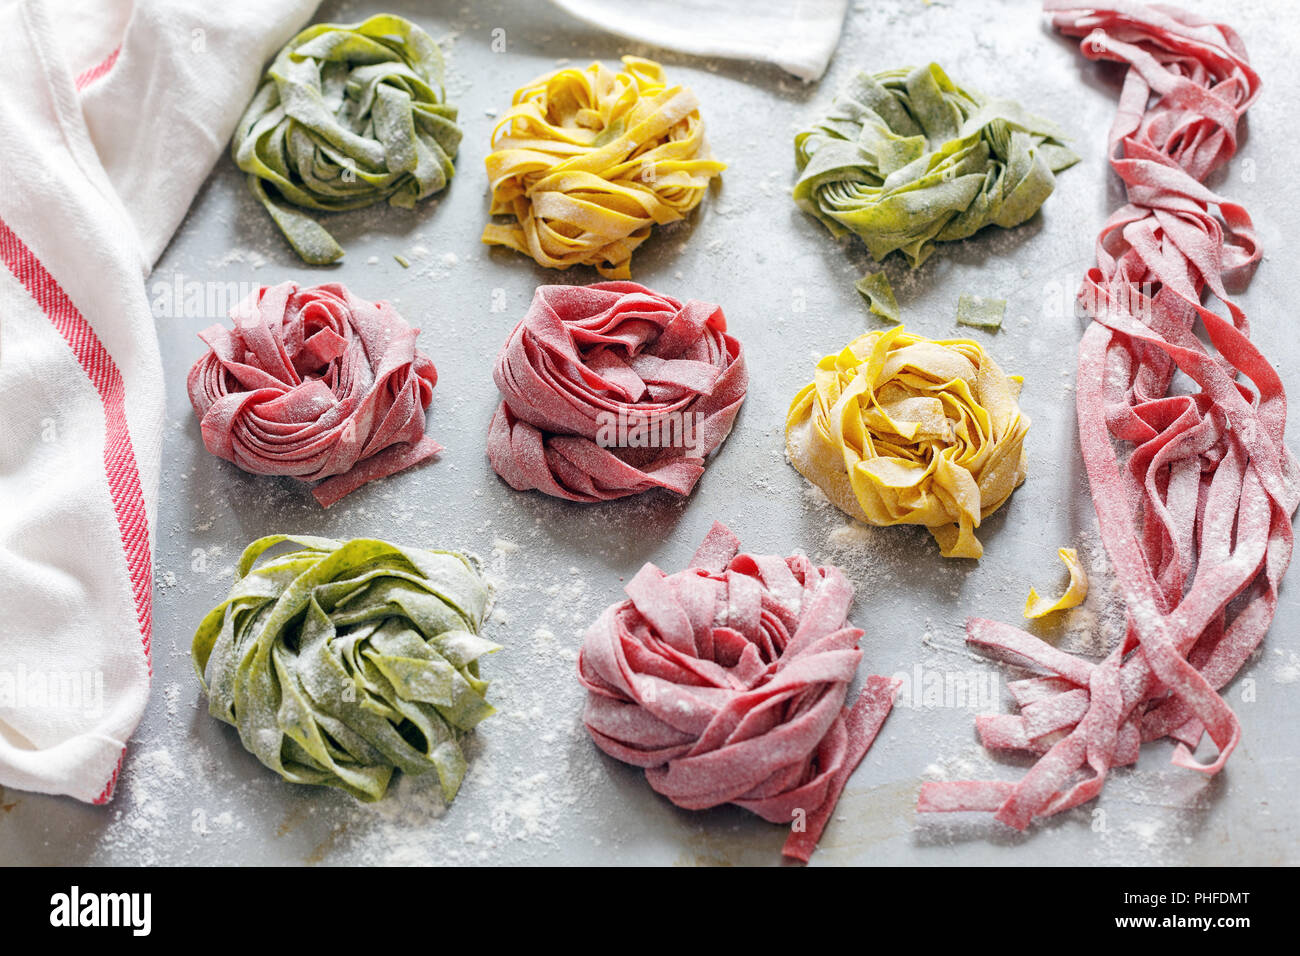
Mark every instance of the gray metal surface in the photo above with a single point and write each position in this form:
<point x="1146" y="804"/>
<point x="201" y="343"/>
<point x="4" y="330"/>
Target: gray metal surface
<point x="538" y="791"/>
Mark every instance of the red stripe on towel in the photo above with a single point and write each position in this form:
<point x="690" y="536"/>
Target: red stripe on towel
<point x="89" y="76"/>
<point x="119" y="455"/>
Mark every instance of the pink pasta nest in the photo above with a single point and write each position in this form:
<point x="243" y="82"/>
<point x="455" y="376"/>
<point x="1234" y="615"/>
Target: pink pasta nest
<point x="727" y="683"/>
<point x="611" y="389"/>
<point x="317" y="384"/>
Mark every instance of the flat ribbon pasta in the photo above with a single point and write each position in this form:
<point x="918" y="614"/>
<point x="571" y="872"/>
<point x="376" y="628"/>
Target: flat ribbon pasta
<point x="340" y="662"/>
<point x="906" y="159"/>
<point x="347" y="116"/>
<point x="611" y="389"/>
<point x="586" y="161"/>
<point x="1037" y="606"/>
<point x="727" y="682"/>
<point x="1194" y="488"/>
<point x="314" y="383"/>
<point x="900" y="429"/>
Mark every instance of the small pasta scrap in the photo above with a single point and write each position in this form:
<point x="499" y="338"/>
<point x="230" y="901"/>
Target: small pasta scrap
<point x="1075" y="593"/>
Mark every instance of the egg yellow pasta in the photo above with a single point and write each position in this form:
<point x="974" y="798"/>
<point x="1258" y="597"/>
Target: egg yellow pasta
<point x="1037" y="606"/>
<point x="901" y="429"/>
<point x="587" y="161"/>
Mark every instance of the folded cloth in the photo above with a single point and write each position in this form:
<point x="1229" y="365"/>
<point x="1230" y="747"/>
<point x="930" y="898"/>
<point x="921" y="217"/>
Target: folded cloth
<point x="798" y="36"/>
<point x="112" y="113"/>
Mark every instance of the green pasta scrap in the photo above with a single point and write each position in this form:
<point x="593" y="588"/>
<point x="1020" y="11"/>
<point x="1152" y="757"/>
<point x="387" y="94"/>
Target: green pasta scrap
<point x="980" y="311"/>
<point x="906" y="159"/>
<point x="875" y="288"/>
<point x="342" y="661"/>
<point x="347" y="116"/>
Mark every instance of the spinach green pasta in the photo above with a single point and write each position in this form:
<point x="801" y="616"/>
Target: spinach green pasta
<point x="879" y="294"/>
<point x="347" y="116"/>
<point x="981" y="311"/>
<point x="906" y="159"/>
<point x="340" y="662"/>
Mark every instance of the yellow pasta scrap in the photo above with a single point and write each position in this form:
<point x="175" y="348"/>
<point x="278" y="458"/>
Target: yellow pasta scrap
<point x="1074" y="595"/>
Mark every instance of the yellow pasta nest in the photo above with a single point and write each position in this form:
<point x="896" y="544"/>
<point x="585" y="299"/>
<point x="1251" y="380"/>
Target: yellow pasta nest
<point x="586" y="161"/>
<point x="901" y="429"/>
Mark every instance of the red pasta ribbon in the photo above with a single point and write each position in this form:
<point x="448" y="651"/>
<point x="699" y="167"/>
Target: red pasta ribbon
<point x="727" y="681"/>
<point x="314" y="383"/>
<point x="1196" y="517"/>
<point x="611" y="389"/>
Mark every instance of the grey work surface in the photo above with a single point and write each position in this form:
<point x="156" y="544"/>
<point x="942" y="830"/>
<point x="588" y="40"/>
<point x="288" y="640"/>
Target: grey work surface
<point x="538" y="790"/>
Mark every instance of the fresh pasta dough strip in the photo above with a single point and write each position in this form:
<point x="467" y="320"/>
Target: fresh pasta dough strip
<point x="1194" y="492"/>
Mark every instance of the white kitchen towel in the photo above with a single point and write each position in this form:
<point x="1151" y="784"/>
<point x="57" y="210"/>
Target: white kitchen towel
<point x="112" y="112"/>
<point x="797" y="35"/>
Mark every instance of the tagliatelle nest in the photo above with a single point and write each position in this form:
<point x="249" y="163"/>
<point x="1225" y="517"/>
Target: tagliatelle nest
<point x="587" y="360"/>
<point x="347" y="116"/>
<point x="587" y="161"/>
<point x="340" y="662"/>
<point x="728" y="682"/>
<point x="906" y="159"/>
<point x="901" y="429"/>
<point x="316" y="383"/>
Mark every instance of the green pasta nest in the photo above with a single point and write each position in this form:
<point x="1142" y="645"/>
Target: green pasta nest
<point x="347" y="116"/>
<point x="340" y="662"/>
<point x="907" y="159"/>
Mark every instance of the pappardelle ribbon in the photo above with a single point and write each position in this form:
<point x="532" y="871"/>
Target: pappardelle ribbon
<point x="900" y="429"/>
<point x="586" y="161"/>
<point x="346" y="117"/>
<point x="906" y="159"/>
<point x="726" y="682"/>
<point x="340" y="662"/>
<point x="314" y="383"/>
<point x="1194" y="491"/>
<point x="612" y="389"/>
